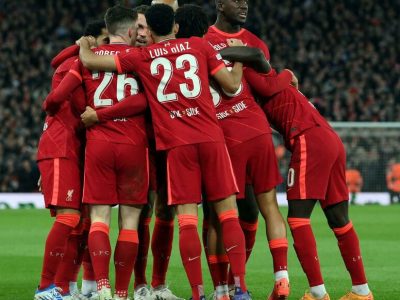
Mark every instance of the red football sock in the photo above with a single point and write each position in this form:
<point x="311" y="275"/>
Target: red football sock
<point x="279" y="250"/>
<point x="235" y="246"/>
<point x="218" y="265"/>
<point x="249" y="231"/>
<point x="349" y="246"/>
<point x="100" y="253"/>
<point x="306" y="249"/>
<point x="190" y="248"/>
<point x="143" y="250"/>
<point x="88" y="272"/>
<point x="55" y="246"/>
<point x="82" y="246"/>
<point x="66" y="269"/>
<point x="124" y="259"/>
<point x="161" y="247"/>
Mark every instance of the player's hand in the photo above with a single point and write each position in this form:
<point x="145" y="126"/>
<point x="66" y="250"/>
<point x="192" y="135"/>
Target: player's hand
<point x="89" y="117"/>
<point x="234" y="43"/>
<point x="295" y="81"/>
<point x="86" y="41"/>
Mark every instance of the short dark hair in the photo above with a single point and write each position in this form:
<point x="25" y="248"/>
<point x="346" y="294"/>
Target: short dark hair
<point x="160" y="18"/>
<point x="94" y="28"/>
<point x="118" y="17"/>
<point x="192" y="21"/>
<point x="142" y="9"/>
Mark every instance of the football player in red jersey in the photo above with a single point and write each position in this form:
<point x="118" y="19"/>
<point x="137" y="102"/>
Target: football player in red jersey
<point x="162" y="237"/>
<point x="116" y="163"/>
<point x="316" y="173"/>
<point x="249" y="140"/>
<point x="175" y="73"/>
<point x="59" y="155"/>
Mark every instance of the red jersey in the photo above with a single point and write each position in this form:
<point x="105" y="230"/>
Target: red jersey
<point x="62" y="131"/>
<point x="175" y="77"/>
<point x="289" y="111"/>
<point x="104" y="89"/>
<point x="240" y="116"/>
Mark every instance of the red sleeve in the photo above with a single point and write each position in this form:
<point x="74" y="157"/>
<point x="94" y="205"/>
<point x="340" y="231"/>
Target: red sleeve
<point x="127" y="62"/>
<point x="264" y="48"/>
<point x="63" y="91"/>
<point x="64" y="55"/>
<point x="214" y="59"/>
<point x="267" y="86"/>
<point x="130" y="106"/>
<point x="78" y="99"/>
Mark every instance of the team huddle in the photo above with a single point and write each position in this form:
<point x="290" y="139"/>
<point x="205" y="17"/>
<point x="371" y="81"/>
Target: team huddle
<point x="154" y="109"/>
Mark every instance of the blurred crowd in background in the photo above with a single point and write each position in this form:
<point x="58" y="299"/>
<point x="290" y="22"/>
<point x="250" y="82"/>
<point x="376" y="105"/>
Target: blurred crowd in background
<point x="345" y="53"/>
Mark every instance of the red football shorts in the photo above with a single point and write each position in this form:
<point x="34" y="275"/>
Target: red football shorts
<point x="61" y="183"/>
<point x="196" y="167"/>
<point x="115" y="174"/>
<point x="317" y="169"/>
<point x="254" y="162"/>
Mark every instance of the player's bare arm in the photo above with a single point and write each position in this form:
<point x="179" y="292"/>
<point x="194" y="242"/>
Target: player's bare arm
<point x="93" y="61"/>
<point x="252" y="57"/>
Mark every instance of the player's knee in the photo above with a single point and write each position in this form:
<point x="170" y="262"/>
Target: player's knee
<point x="165" y="213"/>
<point x="337" y="215"/>
<point x="301" y="208"/>
<point x="248" y="210"/>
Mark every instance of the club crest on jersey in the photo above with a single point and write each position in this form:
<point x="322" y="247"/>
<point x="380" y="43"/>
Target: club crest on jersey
<point x="69" y="195"/>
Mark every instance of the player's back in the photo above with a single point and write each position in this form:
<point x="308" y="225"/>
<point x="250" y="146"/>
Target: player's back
<point x="175" y="75"/>
<point x="240" y="116"/>
<point x="290" y="113"/>
<point x="62" y="132"/>
<point x="104" y="89"/>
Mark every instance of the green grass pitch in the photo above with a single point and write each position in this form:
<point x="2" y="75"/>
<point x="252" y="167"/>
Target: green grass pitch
<point x="23" y="232"/>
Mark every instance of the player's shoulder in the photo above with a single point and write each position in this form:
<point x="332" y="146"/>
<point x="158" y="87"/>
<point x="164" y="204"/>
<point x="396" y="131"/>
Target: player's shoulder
<point x="66" y="65"/>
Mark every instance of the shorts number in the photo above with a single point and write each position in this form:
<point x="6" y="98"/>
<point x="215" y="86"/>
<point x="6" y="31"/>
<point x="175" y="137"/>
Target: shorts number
<point x="122" y="81"/>
<point x="290" y="177"/>
<point x="181" y="63"/>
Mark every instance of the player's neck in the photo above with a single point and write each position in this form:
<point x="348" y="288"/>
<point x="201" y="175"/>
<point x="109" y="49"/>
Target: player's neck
<point x="159" y="39"/>
<point x="225" y="26"/>
<point x="116" y="39"/>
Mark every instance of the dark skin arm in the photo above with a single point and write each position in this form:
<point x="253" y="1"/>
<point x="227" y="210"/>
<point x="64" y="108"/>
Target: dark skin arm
<point x="251" y="57"/>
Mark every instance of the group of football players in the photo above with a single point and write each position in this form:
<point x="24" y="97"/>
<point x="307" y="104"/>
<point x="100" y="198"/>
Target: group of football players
<point x="178" y="113"/>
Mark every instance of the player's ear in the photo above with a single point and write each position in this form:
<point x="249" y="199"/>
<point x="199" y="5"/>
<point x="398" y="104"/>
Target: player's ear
<point x="219" y="5"/>
<point x="175" y="28"/>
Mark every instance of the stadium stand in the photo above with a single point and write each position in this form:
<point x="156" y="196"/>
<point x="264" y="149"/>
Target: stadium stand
<point x="345" y="53"/>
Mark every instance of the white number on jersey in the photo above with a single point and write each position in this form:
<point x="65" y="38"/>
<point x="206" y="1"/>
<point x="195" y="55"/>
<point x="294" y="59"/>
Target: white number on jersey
<point x="181" y="63"/>
<point x="122" y="81"/>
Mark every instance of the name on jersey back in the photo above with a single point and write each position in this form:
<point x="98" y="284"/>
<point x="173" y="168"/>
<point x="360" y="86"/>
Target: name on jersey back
<point x="177" y="48"/>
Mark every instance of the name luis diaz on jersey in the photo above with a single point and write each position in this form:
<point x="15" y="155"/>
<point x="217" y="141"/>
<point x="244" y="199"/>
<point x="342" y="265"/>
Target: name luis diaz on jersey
<point x="238" y="107"/>
<point x="177" y="48"/>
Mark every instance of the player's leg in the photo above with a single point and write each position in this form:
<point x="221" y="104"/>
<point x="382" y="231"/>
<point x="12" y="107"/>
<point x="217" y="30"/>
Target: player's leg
<point x="89" y="286"/>
<point x="184" y="191"/>
<point x="64" y="195"/>
<point x="220" y="187"/>
<point x="264" y="174"/>
<point x="131" y="166"/>
<point x="336" y="209"/>
<point x="126" y="248"/>
<point x="218" y="261"/>
<point x="100" y="193"/>
<point x="163" y="233"/>
<point x="144" y="244"/>
<point x="308" y="178"/>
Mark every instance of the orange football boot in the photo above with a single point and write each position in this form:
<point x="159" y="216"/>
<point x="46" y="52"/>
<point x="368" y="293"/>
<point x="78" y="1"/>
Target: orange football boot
<point x="281" y="290"/>
<point x="309" y="296"/>
<point x="353" y="296"/>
